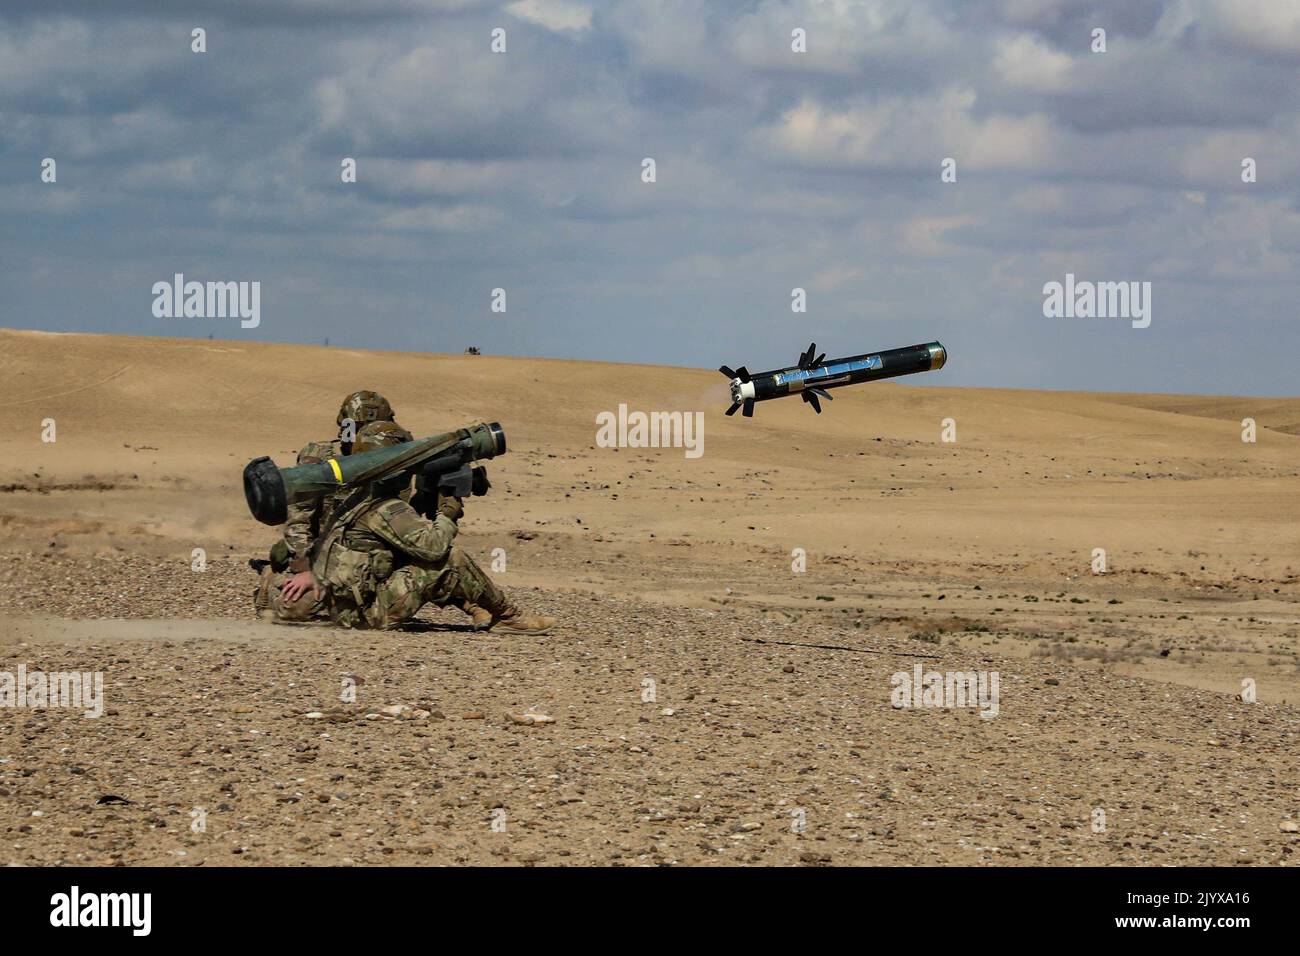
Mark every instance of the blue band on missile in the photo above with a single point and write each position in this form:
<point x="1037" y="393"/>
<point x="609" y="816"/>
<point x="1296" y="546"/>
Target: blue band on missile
<point x="799" y="376"/>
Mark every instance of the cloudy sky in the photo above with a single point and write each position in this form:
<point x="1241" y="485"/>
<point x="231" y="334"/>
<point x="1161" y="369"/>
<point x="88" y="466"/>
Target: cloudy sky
<point x="775" y="169"/>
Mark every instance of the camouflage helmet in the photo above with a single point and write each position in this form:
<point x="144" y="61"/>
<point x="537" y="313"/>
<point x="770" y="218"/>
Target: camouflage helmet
<point x="380" y="435"/>
<point x="363" y="408"/>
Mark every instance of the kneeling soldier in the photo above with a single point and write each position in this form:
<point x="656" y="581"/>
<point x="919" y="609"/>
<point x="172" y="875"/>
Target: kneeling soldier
<point x="380" y="561"/>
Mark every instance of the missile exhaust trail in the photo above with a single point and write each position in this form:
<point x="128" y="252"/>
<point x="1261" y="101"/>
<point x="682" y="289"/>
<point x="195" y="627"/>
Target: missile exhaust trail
<point x="813" y="377"/>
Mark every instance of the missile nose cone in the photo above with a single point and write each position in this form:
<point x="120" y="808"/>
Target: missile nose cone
<point x="938" y="355"/>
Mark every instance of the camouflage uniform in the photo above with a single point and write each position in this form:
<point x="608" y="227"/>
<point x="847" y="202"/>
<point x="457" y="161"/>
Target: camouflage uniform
<point x="396" y="587"/>
<point x="292" y="554"/>
<point x="382" y="562"/>
<point x="305" y="517"/>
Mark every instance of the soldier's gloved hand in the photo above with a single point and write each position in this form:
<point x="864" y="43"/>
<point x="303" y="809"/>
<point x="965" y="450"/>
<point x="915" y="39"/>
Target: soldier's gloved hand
<point x="450" y="506"/>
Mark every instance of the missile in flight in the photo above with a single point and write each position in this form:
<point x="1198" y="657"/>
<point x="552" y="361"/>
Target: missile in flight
<point x="813" y="377"/>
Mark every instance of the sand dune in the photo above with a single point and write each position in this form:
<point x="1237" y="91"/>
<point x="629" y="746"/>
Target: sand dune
<point x="1032" y="477"/>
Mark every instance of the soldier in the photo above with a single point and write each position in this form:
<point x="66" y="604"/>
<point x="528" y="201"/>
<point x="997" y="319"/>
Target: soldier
<point x="358" y="410"/>
<point x="380" y="561"/>
<point x="288" y="591"/>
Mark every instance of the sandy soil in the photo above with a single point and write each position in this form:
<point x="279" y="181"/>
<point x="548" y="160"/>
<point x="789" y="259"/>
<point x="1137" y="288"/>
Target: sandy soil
<point x="771" y="737"/>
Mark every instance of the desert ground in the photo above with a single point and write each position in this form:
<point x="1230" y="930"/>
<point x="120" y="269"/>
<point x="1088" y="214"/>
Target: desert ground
<point x="710" y="703"/>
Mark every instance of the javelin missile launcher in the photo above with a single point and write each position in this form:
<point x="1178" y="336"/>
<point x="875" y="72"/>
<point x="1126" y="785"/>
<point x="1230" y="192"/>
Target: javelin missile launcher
<point x="438" y="462"/>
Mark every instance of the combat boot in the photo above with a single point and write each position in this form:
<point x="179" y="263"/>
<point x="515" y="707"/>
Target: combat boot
<point x="480" y="618"/>
<point x="516" y="622"/>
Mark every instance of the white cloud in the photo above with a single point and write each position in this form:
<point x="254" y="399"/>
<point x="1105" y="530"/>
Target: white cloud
<point x="911" y="132"/>
<point x="1025" y="61"/>
<point x="459" y="218"/>
<point x="924" y="235"/>
<point x="1267" y="26"/>
<point x="842" y="36"/>
<point x="559" y="16"/>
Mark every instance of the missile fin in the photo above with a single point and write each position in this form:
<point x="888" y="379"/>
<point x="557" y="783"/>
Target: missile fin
<point x="732" y="409"/>
<point x="749" y="408"/>
<point x="811" y="399"/>
<point x="727" y="371"/>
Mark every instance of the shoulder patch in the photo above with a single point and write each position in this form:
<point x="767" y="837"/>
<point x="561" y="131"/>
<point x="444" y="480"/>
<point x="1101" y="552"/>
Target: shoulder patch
<point x="317" y="451"/>
<point x="394" y="506"/>
<point x="399" y="516"/>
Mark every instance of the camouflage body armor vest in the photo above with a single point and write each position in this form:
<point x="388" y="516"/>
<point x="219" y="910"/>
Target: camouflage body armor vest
<point x="351" y="567"/>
